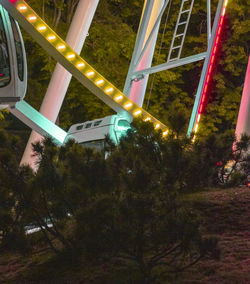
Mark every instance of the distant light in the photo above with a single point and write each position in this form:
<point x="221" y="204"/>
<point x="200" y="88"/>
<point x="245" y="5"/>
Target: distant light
<point x="147" y="119"/>
<point x="165" y="133"/>
<point x="157" y="125"/>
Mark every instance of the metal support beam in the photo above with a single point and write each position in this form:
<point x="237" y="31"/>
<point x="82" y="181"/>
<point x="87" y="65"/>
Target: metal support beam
<point x="169" y="65"/>
<point x="148" y="29"/>
<point x="61" y="78"/>
<point x="157" y="22"/>
<point x="35" y="120"/>
<point x="208" y="20"/>
<point x="243" y="122"/>
<point x="204" y="72"/>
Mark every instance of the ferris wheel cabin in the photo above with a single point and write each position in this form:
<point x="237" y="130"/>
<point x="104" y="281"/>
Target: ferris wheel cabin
<point x="92" y="134"/>
<point x="13" y="65"/>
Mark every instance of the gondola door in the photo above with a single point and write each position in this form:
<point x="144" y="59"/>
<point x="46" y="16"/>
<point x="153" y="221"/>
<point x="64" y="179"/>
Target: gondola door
<point x="13" y="67"/>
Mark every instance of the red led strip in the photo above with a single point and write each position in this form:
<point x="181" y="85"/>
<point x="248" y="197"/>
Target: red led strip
<point x="210" y="66"/>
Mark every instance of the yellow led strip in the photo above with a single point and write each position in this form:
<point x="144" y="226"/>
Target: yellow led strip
<point x="37" y="28"/>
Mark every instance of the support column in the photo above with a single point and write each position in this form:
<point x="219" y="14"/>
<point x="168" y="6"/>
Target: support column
<point x="61" y="78"/>
<point x="135" y="90"/>
<point x="243" y="122"/>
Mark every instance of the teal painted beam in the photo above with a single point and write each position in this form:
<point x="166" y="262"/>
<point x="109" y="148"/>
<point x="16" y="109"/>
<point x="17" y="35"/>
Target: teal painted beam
<point x="35" y="120"/>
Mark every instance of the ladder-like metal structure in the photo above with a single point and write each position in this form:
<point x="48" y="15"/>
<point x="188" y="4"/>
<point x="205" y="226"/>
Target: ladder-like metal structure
<point x="180" y="30"/>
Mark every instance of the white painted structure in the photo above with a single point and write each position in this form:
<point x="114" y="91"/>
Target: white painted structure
<point x="243" y="123"/>
<point x="93" y="133"/>
<point x="61" y="78"/>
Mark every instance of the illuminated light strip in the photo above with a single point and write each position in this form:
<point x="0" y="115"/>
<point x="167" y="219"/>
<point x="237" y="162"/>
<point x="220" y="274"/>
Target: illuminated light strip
<point x="32" y="18"/>
<point x="138" y="112"/>
<point x="119" y="98"/>
<point x="22" y="8"/>
<point x="99" y="82"/>
<point x="165" y="133"/>
<point x="80" y="65"/>
<point x="109" y="90"/>
<point x="91" y="73"/>
<point x="71" y="56"/>
<point x="51" y="37"/>
<point x="87" y="76"/>
<point x="128" y="105"/>
<point x="42" y="28"/>
<point x="210" y="68"/>
<point x="61" y="47"/>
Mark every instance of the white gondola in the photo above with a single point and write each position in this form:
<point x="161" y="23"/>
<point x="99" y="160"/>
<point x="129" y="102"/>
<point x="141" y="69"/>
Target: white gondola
<point x="13" y="66"/>
<point x="92" y="133"/>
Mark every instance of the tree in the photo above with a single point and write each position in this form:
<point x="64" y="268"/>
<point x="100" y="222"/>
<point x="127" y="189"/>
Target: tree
<point x="143" y="222"/>
<point x="12" y="233"/>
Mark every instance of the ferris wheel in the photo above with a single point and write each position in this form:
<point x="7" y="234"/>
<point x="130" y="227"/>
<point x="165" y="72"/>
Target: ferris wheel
<point x="127" y="104"/>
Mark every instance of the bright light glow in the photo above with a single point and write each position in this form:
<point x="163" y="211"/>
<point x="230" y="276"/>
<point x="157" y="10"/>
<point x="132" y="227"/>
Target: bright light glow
<point x="99" y="82"/>
<point x="147" y="119"/>
<point x="157" y="125"/>
<point x="199" y="117"/>
<point x="165" y="133"/>
<point x="118" y="98"/>
<point x="226" y="3"/>
<point x="22" y="8"/>
<point x="91" y="73"/>
<point x="71" y="56"/>
<point x="224" y="11"/>
<point x="196" y="128"/>
<point x="51" y="37"/>
<point x="32" y="18"/>
<point x="128" y="105"/>
<point x="61" y="47"/>
<point x="42" y="28"/>
<point x="80" y="65"/>
<point x="138" y="112"/>
<point x="109" y="90"/>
